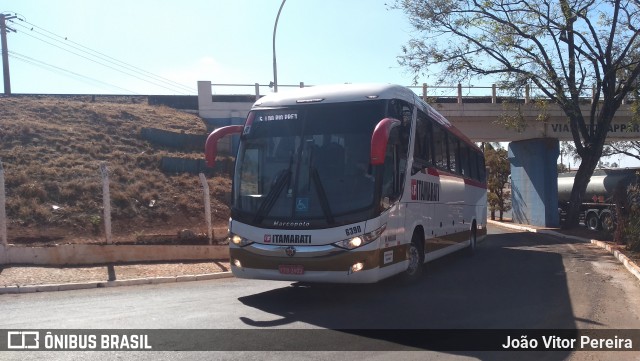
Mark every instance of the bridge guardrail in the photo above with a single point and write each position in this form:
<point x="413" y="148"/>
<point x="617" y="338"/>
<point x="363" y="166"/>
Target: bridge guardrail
<point x="460" y="93"/>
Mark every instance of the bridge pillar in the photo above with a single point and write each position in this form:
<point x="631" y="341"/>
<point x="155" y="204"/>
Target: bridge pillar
<point x="534" y="181"/>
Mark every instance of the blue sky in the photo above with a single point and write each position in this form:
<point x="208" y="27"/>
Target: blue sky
<point x="224" y="41"/>
<point x="166" y="46"/>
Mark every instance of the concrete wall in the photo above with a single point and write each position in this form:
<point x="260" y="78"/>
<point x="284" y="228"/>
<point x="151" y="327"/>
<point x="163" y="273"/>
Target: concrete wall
<point x="224" y="107"/>
<point x="223" y="110"/>
<point x="175" y="140"/>
<point x="184" y="102"/>
<point x="90" y="254"/>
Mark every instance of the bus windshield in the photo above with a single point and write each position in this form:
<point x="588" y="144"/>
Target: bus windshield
<point x="307" y="163"/>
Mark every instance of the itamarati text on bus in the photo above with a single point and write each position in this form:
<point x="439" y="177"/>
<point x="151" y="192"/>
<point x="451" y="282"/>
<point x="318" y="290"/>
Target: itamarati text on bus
<point x="350" y="184"/>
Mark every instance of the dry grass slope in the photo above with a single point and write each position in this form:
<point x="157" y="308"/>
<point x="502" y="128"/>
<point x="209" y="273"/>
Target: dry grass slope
<point x="51" y="149"/>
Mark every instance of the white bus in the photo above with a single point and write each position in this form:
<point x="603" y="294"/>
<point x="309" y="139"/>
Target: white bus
<point x="350" y="184"/>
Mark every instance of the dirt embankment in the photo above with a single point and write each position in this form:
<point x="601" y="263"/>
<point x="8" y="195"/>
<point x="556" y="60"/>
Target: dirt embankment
<point x="51" y="149"/>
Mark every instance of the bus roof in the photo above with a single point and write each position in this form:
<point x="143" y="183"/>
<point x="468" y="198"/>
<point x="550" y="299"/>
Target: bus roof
<point x="336" y="94"/>
<point x="355" y="92"/>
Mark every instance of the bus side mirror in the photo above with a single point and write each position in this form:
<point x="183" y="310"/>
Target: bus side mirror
<point x="211" y="146"/>
<point x="380" y="138"/>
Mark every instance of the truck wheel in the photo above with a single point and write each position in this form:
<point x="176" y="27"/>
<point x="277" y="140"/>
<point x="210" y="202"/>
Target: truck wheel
<point x="607" y="221"/>
<point x="592" y="221"/>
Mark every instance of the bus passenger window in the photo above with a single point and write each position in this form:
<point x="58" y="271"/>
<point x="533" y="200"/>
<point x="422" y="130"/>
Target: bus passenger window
<point x="422" y="145"/>
<point x="473" y="165"/>
<point x="454" y="155"/>
<point x="464" y="160"/>
<point x="402" y="111"/>
<point x="482" y="171"/>
<point x="440" y="148"/>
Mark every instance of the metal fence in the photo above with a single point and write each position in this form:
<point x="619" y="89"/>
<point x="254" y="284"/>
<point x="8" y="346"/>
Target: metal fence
<point x="437" y="94"/>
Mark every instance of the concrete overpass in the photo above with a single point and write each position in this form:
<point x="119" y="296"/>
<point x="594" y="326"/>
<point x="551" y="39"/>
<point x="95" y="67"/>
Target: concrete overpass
<point x="479" y="121"/>
<point x="533" y="150"/>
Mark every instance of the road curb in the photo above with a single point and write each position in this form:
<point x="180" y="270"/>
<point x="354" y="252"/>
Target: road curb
<point x="631" y="266"/>
<point x="116" y="283"/>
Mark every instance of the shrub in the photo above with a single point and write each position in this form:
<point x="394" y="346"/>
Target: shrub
<point x="628" y="214"/>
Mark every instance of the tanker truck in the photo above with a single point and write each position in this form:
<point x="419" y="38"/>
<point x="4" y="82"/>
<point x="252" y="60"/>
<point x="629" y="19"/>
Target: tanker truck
<point x="597" y="209"/>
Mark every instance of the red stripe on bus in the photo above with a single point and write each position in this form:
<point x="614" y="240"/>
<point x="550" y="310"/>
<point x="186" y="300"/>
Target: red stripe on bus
<point x="433" y="171"/>
<point x="475" y="183"/>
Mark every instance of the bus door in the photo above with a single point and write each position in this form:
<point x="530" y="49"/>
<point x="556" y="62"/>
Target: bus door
<point x="395" y="165"/>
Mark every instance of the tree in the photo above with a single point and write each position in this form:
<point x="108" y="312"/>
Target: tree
<point x="499" y="169"/>
<point x="630" y="148"/>
<point x="569" y="151"/>
<point x="563" y="48"/>
<point x="562" y="168"/>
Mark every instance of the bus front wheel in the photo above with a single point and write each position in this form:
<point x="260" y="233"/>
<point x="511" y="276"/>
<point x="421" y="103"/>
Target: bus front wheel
<point x="415" y="256"/>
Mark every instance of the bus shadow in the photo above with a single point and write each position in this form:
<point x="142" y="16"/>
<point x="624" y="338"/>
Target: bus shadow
<point x="500" y="287"/>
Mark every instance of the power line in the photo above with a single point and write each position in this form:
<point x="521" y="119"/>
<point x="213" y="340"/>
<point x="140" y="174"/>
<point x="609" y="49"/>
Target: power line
<point x="91" y="55"/>
<point x="72" y="44"/>
<point x="105" y="65"/>
<point x="62" y="71"/>
<point x="104" y="56"/>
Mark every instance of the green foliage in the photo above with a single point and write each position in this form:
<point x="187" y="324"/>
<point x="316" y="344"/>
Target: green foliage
<point x="512" y="117"/>
<point x="548" y="45"/>
<point x="498" y="197"/>
<point x="562" y="168"/>
<point x="628" y="214"/>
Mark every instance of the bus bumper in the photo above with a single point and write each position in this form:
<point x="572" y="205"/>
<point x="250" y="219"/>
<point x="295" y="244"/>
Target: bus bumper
<point x="362" y="266"/>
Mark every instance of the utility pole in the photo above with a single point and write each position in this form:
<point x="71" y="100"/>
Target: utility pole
<point x="5" y="51"/>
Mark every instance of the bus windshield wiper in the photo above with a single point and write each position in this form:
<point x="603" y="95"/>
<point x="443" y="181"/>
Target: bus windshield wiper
<point x="272" y="196"/>
<point x="322" y="195"/>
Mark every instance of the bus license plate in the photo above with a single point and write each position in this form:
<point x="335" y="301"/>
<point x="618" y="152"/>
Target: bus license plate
<point x="288" y="269"/>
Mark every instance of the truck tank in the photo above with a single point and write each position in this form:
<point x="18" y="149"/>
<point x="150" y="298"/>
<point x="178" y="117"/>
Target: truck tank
<point x="601" y="187"/>
<point x="597" y="208"/>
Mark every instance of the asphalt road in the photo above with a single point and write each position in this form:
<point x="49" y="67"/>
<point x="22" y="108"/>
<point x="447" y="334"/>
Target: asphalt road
<point x="513" y="281"/>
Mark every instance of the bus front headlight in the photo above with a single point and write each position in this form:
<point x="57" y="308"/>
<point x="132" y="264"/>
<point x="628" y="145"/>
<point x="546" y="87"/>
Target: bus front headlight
<point x="359" y="241"/>
<point x="239" y="241"/>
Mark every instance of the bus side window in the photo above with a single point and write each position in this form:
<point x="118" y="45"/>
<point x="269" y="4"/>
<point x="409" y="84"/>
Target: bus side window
<point x="482" y="176"/>
<point x="465" y="160"/>
<point x="422" y="144"/>
<point x="473" y="163"/>
<point x="454" y="156"/>
<point x="440" y="147"/>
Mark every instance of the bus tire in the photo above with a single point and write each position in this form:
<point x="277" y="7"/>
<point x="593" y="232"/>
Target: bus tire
<point x="592" y="221"/>
<point x="415" y="256"/>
